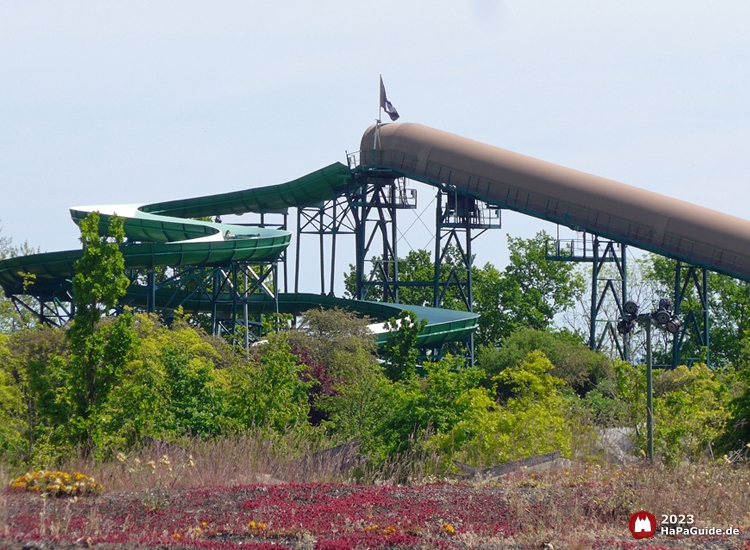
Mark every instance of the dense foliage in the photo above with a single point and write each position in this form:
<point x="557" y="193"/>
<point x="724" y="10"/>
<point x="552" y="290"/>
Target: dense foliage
<point x="108" y="383"/>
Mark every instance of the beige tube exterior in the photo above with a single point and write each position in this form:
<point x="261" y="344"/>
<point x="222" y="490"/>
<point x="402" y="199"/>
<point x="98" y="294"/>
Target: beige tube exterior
<point x="582" y="201"/>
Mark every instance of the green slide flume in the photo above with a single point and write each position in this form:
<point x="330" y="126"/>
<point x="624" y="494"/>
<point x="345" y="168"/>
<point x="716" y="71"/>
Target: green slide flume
<point x="166" y="234"/>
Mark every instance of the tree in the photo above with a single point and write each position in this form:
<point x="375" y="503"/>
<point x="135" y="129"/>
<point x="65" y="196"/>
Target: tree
<point x="268" y="391"/>
<point x="535" y="419"/>
<point x="11" y="319"/>
<point x="536" y="288"/>
<point x="413" y="407"/>
<point x="400" y="348"/>
<point x="338" y="350"/>
<point x="11" y="408"/>
<point x="98" y="351"/>
<point x="34" y="366"/>
<point x="580" y="367"/>
<point x="529" y="292"/>
<point x="728" y="304"/>
<point x="691" y="411"/>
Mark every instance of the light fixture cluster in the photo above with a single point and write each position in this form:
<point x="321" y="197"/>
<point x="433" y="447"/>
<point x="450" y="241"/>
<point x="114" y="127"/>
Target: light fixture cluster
<point x="663" y="316"/>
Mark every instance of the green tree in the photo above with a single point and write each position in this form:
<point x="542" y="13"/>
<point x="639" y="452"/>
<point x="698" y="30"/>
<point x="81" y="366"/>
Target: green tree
<point x="728" y="305"/>
<point x="36" y="368"/>
<point x="537" y="289"/>
<point x="176" y="384"/>
<point x="330" y="335"/>
<point x="400" y="349"/>
<point x="11" y="319"/>
<point x="691" y="411"/>
<point x="536" y="418"/>
<point x="580" y="367"/>
<point x="98" y="351"/>
<point x="338" y="350"/>
<point x="268" y="391"/>
<point x="359" y="400"/>
<point x="11" y="408"/>
<point x="414" y="407"/>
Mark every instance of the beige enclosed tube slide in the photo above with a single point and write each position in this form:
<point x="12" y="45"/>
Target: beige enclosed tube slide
<point x="647" y="220"/>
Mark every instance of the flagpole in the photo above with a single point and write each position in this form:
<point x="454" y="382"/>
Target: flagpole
<point x="376" y="138"/>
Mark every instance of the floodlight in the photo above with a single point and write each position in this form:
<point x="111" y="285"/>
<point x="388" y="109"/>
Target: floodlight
<point x="673" y="325"/>
<point x="624" y="326"/>
<point x="662" y="316"/>
<point x="631" y="308"/>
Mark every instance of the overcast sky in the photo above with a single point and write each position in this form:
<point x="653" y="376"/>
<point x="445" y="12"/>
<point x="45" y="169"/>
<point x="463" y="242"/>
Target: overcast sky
<point x="126" y="102"/>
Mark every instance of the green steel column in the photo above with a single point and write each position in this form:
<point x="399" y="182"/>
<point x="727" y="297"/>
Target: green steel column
<point x="706" y="318"/>
<point x="296" y="253"/>
<point x="215" y="328"/>
<point x="676" y="310"/>
<point x="245" y="314"/>
<point x="359" y="245"/>
<point x="151" y="296"/>
<point x="649" y="391"/>
<point x="438" y="229"/>
<point x="624" y="277"/>
<point x="469" y="290"/>
<point x="394" y="242"/>
<point x="334" y="231"/>
<point x="321" y="238"/>
<point x="594" y="293"/>
<point x="286" y="255"/>
<point x="233" y="267"/>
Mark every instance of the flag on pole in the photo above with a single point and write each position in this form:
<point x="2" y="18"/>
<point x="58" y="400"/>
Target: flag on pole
<point x="386" y="105"/>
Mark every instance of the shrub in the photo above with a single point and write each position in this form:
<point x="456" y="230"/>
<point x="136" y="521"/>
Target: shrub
<point x="57" y="484"/>
<point x="535" y="418"/>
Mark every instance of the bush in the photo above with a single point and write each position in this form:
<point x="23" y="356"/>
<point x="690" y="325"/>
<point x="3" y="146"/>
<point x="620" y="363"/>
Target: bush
<point x="573" y="362"/>
<point x="535" y="419"/>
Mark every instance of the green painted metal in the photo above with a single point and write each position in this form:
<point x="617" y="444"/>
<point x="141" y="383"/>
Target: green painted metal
<point x="321" y="185"/>
<point x="443" y="325"/>
<point x="161" y="234"/>
<point x="162" y="223"/>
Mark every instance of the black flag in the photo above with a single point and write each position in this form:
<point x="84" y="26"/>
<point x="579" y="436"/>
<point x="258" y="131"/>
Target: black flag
<point x="386" y="105"/>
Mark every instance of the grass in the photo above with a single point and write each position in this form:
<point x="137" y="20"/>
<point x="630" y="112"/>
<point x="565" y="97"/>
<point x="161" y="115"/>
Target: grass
<point x="252" y="489"/>
<point x="574" y="504"/>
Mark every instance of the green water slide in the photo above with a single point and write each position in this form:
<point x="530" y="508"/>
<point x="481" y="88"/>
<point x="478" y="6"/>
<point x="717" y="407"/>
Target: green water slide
<point x="163" y="234"/>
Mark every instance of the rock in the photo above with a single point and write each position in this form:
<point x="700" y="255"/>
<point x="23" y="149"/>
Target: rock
<point x="549" y="461"/>
<point x="332" y="462"/>
<point x="617" y="445"/>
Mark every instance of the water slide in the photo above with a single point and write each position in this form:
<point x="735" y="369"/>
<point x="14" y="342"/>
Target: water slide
<point x="163" y="234"/>
<point x="647" y="220"/>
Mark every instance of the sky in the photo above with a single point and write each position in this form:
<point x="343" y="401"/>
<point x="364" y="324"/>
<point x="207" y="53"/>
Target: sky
<point x="128" y="102"/>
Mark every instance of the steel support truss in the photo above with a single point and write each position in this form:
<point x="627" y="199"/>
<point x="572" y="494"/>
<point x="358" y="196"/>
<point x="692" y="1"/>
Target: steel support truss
<point x="696" y="321"/>
<point x="609" y="287"/>
<point x="51" y="311"/>
<point x="459" y="220"/>
<point x="328" y="219"/>
<point x="222" y="295"/>
<point x="375" y="198"/>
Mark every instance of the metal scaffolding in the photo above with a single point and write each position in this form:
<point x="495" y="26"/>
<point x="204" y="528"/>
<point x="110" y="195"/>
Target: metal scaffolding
<point x="691" y="280"/>
<point x="608" y="288"/>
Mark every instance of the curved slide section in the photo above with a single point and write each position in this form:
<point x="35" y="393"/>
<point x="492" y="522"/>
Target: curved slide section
<point x="647" y="220"/>
<point x="162" y="234"/>
<point x="443" y="325"/>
